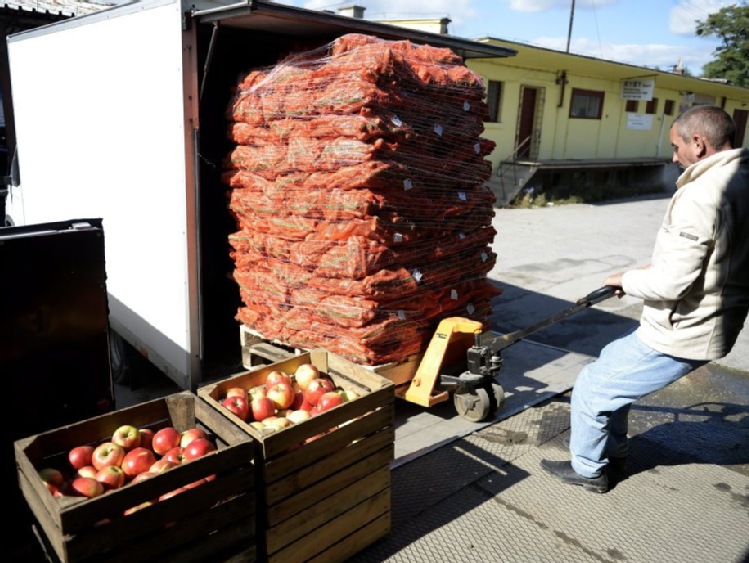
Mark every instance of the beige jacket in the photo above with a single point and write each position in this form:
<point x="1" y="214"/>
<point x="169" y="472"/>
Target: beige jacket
<point x="696" y="292"/>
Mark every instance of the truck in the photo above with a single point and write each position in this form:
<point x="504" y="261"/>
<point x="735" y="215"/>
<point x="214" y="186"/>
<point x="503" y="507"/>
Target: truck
<point x="121" y="115"/>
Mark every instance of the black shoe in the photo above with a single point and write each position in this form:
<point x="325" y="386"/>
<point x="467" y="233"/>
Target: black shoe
<point x="617" y="464"/>
<point x="563" y="470"/>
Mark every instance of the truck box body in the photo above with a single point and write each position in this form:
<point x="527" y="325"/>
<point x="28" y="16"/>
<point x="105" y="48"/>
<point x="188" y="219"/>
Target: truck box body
<point x="121" y="115"/>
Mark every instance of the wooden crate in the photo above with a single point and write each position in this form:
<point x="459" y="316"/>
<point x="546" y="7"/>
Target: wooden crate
<point x="323" y="484"/>
<point x="213" y="521"/>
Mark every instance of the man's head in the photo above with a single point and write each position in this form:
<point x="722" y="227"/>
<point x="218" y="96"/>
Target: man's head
<point x="699" y="132"/>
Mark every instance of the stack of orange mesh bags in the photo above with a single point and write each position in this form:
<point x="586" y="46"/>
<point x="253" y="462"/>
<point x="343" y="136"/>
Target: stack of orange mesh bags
<point x="358" y="185"/>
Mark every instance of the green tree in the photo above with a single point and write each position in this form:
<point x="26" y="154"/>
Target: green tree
<point x="731" y="26"/>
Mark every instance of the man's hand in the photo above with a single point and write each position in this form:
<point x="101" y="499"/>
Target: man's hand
<point x="615" y="280"/>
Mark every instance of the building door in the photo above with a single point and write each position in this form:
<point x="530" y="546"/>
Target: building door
<point x="740" y="117"/>
<point x="528" y="131"/>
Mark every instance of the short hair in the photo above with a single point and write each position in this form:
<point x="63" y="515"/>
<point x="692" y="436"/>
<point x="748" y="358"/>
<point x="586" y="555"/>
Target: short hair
<point x="711" y="122"/>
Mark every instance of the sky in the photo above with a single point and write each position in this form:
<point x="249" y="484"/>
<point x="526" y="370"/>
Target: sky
<point x="647" y="33"/>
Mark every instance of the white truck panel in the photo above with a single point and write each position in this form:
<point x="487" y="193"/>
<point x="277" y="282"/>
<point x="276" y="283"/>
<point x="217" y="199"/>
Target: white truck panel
<point x="131" y="172"/>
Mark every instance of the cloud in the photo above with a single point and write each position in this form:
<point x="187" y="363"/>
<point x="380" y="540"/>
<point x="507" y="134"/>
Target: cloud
<point x="457" y="10"/>
<point x="545" y="5"/>
<point x="683" y="17"/>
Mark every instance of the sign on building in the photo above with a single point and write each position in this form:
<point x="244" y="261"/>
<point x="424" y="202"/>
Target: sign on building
<point x="638" y="89"/>
<point x="639" y="121"/>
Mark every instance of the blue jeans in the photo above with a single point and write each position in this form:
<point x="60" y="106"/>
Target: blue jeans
<point x="603" y="392"/>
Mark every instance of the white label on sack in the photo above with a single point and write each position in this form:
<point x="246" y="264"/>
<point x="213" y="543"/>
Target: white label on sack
<point x="402" y="315"/>
<point x="477" y="148"/>
<point x="453" y="294"/>
<point x="438" y="129"/>
<point x="466" y="106"/>
<point x="407" y="185"/>
<point x="417" y="275"/>
<point x="484" y="257"/>
<point x="462" y="196"/>
<point x="471" y="309"/>
<point x="396" y="121"/>
<point x="397" y="237"/>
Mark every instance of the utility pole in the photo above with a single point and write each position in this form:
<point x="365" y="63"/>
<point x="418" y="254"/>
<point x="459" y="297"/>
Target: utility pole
<point x="569" y="32"/>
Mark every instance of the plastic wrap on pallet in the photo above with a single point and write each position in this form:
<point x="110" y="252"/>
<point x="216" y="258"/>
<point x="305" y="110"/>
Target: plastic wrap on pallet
<point x="357" y="180"/>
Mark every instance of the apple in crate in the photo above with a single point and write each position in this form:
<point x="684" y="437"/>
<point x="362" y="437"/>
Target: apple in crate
<point x="53" y="479"/>
<point x="262" y="408"/>
<point x="282" y="395"/>
<point x="83" y="487"/>
<point x="275" y="377"/>
<point x="237" y="406"/>
<point x="161" y="465"/>
<point x="146" y="437"/>
<point x="165" y="439"/>
<point x="176" y="455"/>
<point x="137" y="461"/>
<point x="90" y="471"/>
<point x="300" y="403"/>
<point x="127" y="436"/>
<point x="111" y="477"/>
<point x="298" y="416"/>
<point x="198" y="448"/>
<point x="304" y="374"/>
<point x="317" y="388"/>
<point x="192" y="434"/>
<point x="106" y="454"/>
<point x="80" y="456"/>
<point x="238" y="392"/>
<point x="256" y="392"/>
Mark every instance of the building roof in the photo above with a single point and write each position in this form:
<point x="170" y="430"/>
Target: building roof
<point x="65" y="8"/>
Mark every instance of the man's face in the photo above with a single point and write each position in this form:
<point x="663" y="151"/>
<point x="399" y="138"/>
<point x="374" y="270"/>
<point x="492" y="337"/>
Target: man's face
<point x="686" y="153"/>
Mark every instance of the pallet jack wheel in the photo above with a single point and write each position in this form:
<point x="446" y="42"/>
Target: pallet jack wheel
<point x="499" y="396"/>
<point x="473" y="404"/>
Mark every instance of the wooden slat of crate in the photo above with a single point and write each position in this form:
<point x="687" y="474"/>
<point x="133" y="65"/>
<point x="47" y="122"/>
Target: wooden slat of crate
<point x="70" y="525"/>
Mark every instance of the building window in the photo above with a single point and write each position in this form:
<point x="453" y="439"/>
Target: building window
<point x="652" y="106"/>
<point x="494" y="101"/>
<point x="586" y="104"/>
<point x="632" y="106"/>
<point x="668" y="107"/>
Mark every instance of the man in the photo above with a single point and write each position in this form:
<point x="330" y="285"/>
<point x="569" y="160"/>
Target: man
<point x="695" y="297"/>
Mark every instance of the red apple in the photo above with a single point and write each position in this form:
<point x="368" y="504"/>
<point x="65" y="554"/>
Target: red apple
<point x="165" y="439"/>
<point x="276" y="376"/>
<point x="161" y="465"/>
<point x="300" y="403"/>
<point x="146" y="437"/>
<point x="198" y="448"/>
<point x="329" y="400"/>
<point x="84" y="487"/>
<point x="190" y="435"/>
<point x="304" y="374"/>
<point x="107" y="453"/>
<point x="53" y="479"/>
<point x="317" y="388"/>
<point x="176" y="455"/>
<point x="80" y="456"/>
<point x="138" y="460"/>
<point x="89" y="471"/>
<point x="142" y="477"/>
<point x="262" y="408"/>
<point x="238" y="392"/>
<point x="238" y="406"/>
<point x="126" y="436"/>
<point x="282" y="395"/>
<point x="111" y="477"/>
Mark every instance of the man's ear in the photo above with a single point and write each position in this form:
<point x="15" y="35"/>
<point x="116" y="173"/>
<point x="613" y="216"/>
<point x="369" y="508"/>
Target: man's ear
<point x="700" y="148"/>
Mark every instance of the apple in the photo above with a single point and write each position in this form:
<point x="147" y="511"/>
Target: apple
<point x="238" y="406"/>
<point x="165" y="439"/>
<point x="84" y="487"/>
<point x="348" y="395"/>
<point x="238" y="392"/>
<point x="80" y="456"/>
<point x="161" y="465"/>
<point x="257" y="425"/>
<point x="138" y="460"/>
<point x="190" y="435"/>
<point x="53" y="479"/>
<point x="176" y="455"/>
<point x="89" y="471"/>
<point x="282" y="395"/>
<point x="276" y="376"/>
<point x="300" y="403"/>
<point x="277" y="422"/>
<point x="111" y="477"/>
<point x="198" y="448"/>
<point x="298" y="416"/>
<point x="107" y="453"/>
<point x="317" y="388"/>
<point x="304" y="374"/>
<point x="142" y="477"/>
<point x="146" y="437"/>
<point x="262" y="408"/>
<point x="127" y="436"/>
<point x="329" y="400"/>
<point x="256" y="392"/>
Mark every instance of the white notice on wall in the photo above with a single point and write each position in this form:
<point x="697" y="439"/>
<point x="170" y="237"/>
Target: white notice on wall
<point x="640" y="121"/>
<point x="638" y="89"/>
